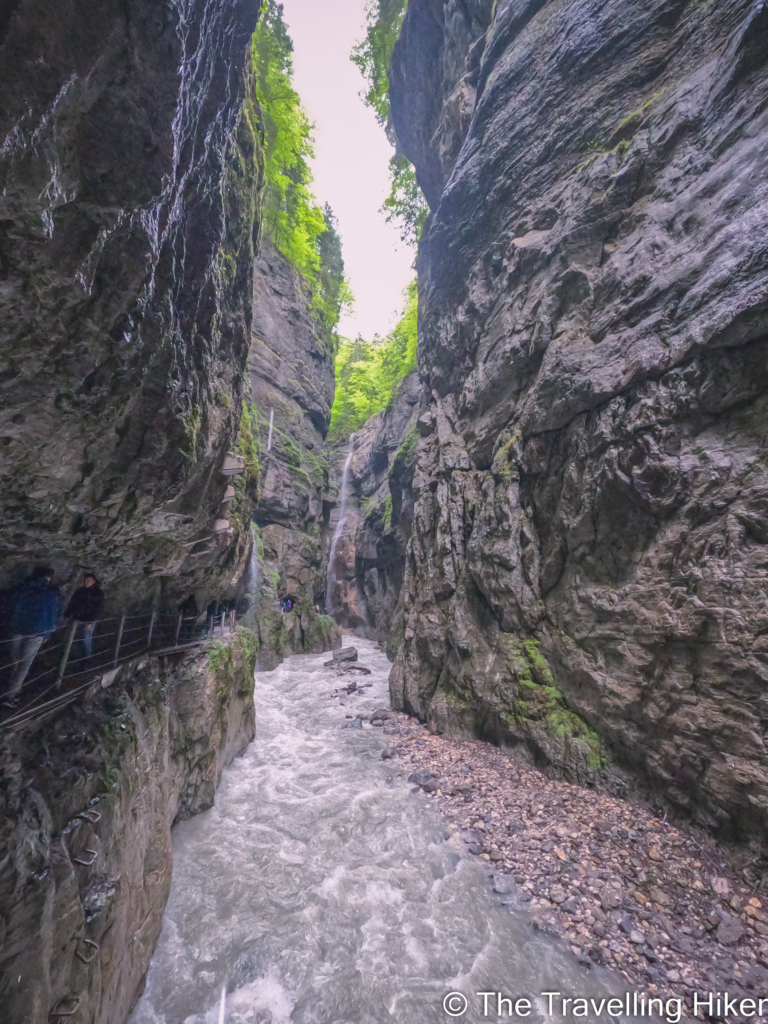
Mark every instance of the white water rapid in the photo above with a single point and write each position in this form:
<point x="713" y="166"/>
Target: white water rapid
<point x="339" y="530"/>
<point x="320" y="888"/>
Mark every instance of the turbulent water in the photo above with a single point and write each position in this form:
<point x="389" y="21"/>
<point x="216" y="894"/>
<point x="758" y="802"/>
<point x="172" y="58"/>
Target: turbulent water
<point x="321" y="889"/>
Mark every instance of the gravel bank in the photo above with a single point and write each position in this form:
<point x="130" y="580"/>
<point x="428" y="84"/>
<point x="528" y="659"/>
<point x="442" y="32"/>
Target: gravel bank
<point x="626" y="889"/>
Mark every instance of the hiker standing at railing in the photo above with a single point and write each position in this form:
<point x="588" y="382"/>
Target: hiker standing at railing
<point x="85" y="608"/>
<point x="35" y="616"/>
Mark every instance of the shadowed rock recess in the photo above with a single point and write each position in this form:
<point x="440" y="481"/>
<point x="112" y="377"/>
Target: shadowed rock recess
<point x="588" y="567"/>
<point x="130" y="170"/>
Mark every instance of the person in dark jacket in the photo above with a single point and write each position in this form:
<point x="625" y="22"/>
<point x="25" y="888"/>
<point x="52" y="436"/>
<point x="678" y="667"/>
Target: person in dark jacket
<point x="212" y="613"/>
<point x="189" y="616"/>
<point x="85" y="608"/>
<point x="35" y="615"/>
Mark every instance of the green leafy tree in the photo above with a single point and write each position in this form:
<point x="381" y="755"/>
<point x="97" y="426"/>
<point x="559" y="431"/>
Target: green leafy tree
<point x="405" y="203"/>
<point x="305" y="234"/>
<point x="368" y="372"/>
<point x="333" y="297"/>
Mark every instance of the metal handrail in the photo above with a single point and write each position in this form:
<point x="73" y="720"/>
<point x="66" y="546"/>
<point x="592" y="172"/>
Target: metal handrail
<point x="153" y="635"/>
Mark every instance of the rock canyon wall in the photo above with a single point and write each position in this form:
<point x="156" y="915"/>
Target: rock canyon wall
<point x="130" y="169"/>
<point x="87" y="802"/>
<point x="291" y="381"/>
<point x="587" y="573"/>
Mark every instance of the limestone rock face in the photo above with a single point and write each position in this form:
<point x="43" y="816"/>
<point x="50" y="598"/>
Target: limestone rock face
<point x="129" y="182"/>
<point x="290" y="371"/>
<point x="103" y="783"/>
<point x="367" y="571"/>
<point x="291" y="377"/>
<point x="433" y="79"/>
<point x="588" y="565"/>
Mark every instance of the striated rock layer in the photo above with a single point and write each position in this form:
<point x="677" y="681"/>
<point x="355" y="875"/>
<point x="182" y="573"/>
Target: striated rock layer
<point x="86" y="808"/>
<point x="588" y="568"/>
<point x="130" y="172"/>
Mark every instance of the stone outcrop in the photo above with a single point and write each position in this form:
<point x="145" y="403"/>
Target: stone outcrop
<point x="87" y="803"/>
<point x="370" y="553"/>
<point x="587" y="571"/>
<point x="130" y="170"/>
<point x="291" y="379"/>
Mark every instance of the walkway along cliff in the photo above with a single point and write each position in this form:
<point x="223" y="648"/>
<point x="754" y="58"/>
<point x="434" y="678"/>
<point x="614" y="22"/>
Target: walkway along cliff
<point x="586" y="575"/>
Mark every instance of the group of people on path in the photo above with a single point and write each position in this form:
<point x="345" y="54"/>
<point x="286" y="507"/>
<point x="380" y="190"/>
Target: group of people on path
<point x="36" y="614"/>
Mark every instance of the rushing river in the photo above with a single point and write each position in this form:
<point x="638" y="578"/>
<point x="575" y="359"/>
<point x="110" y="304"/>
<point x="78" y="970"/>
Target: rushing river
<point x="320" y="888"/>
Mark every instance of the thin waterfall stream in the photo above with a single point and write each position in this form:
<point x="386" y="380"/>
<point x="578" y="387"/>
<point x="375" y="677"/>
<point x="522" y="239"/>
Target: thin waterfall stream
<point x="321" y="888"/>
<point x="339" y="528"/>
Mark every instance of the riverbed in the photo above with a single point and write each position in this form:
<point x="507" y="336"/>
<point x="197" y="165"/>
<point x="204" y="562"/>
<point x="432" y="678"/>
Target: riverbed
<point x="322" y="889"/>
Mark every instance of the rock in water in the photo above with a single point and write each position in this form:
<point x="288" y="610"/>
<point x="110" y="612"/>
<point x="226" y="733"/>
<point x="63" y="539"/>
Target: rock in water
<point x="345" y="654"/>
<point x="504" y="884"/>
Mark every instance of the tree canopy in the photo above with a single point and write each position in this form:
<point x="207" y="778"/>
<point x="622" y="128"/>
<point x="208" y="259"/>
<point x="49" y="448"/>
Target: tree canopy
<point x="301" y="230"/>
<point x="369" y="372"/>
<point x="405" y="203"/>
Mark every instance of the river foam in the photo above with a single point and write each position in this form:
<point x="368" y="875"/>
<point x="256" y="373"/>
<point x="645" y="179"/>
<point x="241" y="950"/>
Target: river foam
<point x="321" y="890"/>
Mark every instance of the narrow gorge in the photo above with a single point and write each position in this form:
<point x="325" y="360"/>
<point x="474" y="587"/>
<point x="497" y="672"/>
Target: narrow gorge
<point x="536" y="510"/>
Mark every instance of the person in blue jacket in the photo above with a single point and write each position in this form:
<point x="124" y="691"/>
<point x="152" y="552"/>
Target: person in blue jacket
<point x="35" y="615"/>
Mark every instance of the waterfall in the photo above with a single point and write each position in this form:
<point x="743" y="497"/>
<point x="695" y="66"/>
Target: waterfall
<point x="253" y="565"/>
<point x="223" y="1004"/>
<point x="271" y="422"/>
<point x="339" y="529"/>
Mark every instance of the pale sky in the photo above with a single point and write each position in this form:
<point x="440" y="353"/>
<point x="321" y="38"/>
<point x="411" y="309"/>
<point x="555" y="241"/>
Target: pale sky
<point x="351" y="165"/>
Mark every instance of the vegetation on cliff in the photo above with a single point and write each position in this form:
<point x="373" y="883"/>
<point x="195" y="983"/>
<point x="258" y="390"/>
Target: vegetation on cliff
<point x="405" y="203"/>
<point x="369" y="372"/>
<point x="303" y="232"/>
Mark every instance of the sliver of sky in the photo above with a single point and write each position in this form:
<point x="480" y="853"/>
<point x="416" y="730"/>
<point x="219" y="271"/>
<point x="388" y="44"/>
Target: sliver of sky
<point x="351" y="165"/>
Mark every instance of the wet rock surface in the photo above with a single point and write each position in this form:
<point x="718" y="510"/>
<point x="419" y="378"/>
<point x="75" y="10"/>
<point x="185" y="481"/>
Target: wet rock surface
<point x="662" y="905"/>
<point x="87" y="802"/>
<point x="586" y="570"/>
<point x="130" y="174"/>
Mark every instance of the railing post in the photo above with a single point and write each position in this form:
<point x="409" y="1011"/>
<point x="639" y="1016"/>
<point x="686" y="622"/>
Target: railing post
<point x="119" y="637"/>
<point x="178" y="630"/>
<point x="65" y="656"/>
<point x="232" y="621"/>
<point x="151" y="626"/>
<point x="223" y="616"/>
